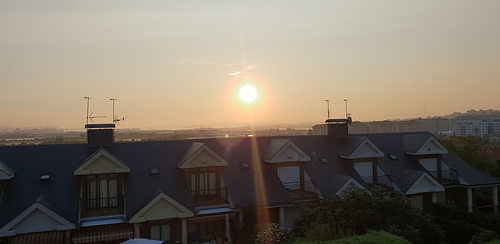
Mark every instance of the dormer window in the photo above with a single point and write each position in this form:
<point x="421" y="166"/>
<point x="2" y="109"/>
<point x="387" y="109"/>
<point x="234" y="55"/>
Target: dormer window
<point x="203" y="169"/>
<point x="102" y="194"/>
<point x="101" y="178"/>
<point x="427" y="151"/>
<point x="288" y="160"/>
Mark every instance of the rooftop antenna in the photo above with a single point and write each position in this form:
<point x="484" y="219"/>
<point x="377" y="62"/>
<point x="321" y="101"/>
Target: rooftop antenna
<point x="113" y="99"/>
<point x="88" y="103"/>
<point x="91" y="116"/>
<point x="328" y="107"/>
<point x="115" y="117"/>
<point x="346" y="113"/>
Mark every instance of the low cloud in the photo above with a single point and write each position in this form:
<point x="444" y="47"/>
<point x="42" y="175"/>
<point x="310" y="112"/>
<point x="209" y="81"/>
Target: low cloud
<point x="248" y="68"/>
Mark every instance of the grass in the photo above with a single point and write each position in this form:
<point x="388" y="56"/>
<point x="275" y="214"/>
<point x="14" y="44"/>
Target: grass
<point x="374" y="237"/>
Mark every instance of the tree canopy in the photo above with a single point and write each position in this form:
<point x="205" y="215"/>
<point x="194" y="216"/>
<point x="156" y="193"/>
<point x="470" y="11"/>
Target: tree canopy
<point x="360" y="210"/>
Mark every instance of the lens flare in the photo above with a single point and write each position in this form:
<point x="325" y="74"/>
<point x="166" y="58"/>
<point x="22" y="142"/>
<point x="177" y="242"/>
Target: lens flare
<point x="248" y="93"/>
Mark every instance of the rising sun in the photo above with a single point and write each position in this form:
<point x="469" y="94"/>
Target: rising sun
<point x="248" y="93"/>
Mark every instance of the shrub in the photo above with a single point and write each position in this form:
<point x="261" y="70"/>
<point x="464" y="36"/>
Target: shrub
<point x="325" y="232"/>
<point x="273" y="234"/>
<point x="360" y="210"/>
<point x="461" y="226"/>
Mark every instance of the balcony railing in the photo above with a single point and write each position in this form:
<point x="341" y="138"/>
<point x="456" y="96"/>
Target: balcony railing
<point x="384" y="180"/>
<point x="210" y="197"/>
<point x="94" y="207"/>
<point x="295" y="186"/>
<point x="310" y="191"/>
<point x="449" y="175"/>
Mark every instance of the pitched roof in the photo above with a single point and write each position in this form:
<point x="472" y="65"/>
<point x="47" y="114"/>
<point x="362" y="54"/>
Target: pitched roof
<point x="261" y="185"/>
<point x="6" y="172"/>
<point x="29" y="163"/>
<point x="38" y="217"/>
<point x="398" y="144"/>
<point x="401" y="167"/>
<point x="471" y="176"/>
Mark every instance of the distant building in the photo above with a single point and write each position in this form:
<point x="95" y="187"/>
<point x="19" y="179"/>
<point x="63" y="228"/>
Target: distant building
<point x="435" y="126"/>
<point x="477" y="127"/>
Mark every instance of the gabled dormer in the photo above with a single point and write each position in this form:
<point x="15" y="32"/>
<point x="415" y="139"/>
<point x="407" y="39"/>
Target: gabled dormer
<point x="363" y="154"/>
<point x="200" y="155"/>
<point x="203" y="170"/>
<point x="427" y="151"/>
<point x="425" y="183"/>
<point x="422" y="145"/>
<point x="102" y="162"/>
<point x="39" y="217"/>
<point x="285" y="151"/>
<point x="160" y="208"/>
<point x="101" y="179"/>
<point x="288" y="159"/>
<point x="359" y="148"/>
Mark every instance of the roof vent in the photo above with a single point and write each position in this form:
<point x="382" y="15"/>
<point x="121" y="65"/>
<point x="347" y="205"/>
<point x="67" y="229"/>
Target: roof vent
<point x="324" y="160"/>
<point x="314" y="155"/>
<point x="392" y="156"/>
<point x="45" y="177"/>
<point x="154" y="171"/>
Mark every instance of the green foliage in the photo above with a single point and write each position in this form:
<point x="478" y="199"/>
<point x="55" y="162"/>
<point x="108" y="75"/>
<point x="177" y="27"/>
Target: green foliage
<point x="472" y="150"/>
<point x="461" y="226"/>
<point x="325" y="232"/>
<point x="484" y="236"/>
<point x="372" y="237"/>
<point x="360" y="210"/>
<point x="273" y="234"/>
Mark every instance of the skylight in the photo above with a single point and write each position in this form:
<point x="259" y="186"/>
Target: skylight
<point x="392" y="156"/>
<point x="45" y="176"/>
<point x="245" y="164"/>
<point x="154" y="171"/>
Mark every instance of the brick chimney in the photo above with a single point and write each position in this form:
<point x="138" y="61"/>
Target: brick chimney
<point x="338" y="127"/>
<point x="100" y="135"/>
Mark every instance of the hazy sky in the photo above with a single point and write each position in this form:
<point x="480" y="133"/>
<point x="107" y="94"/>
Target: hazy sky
<point x="169" y="63"/>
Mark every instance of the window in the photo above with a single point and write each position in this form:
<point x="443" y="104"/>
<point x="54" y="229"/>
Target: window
<point x="160" y="232"/>
<point x="102" y="191"/>
<point x="203" y="181"/>
<point x="290" y="177"/>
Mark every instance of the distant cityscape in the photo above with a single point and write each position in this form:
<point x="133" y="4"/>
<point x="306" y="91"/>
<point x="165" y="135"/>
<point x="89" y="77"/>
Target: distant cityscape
<point x="482" y="123"/>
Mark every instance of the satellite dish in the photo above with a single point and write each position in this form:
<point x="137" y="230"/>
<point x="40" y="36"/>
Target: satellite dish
<point x="349" y="120"/>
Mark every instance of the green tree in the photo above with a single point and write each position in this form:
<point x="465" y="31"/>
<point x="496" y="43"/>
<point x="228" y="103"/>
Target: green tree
<point x="472" y="150"/>
<point x="361" y="210"/>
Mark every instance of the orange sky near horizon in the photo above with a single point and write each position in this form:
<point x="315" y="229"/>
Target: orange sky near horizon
<point x="175" y="65"/>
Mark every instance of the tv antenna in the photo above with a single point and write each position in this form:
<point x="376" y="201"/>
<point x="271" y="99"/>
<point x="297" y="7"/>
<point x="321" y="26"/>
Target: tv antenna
<point x="328" y="107"/>
<point x="88" y="103"/>
<point x="346" y="113"/>
<point x="115" y="117"/>
<point x="91" y="116"/>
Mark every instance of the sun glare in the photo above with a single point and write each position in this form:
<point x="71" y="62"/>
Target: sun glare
<point x="248" y="93"/>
